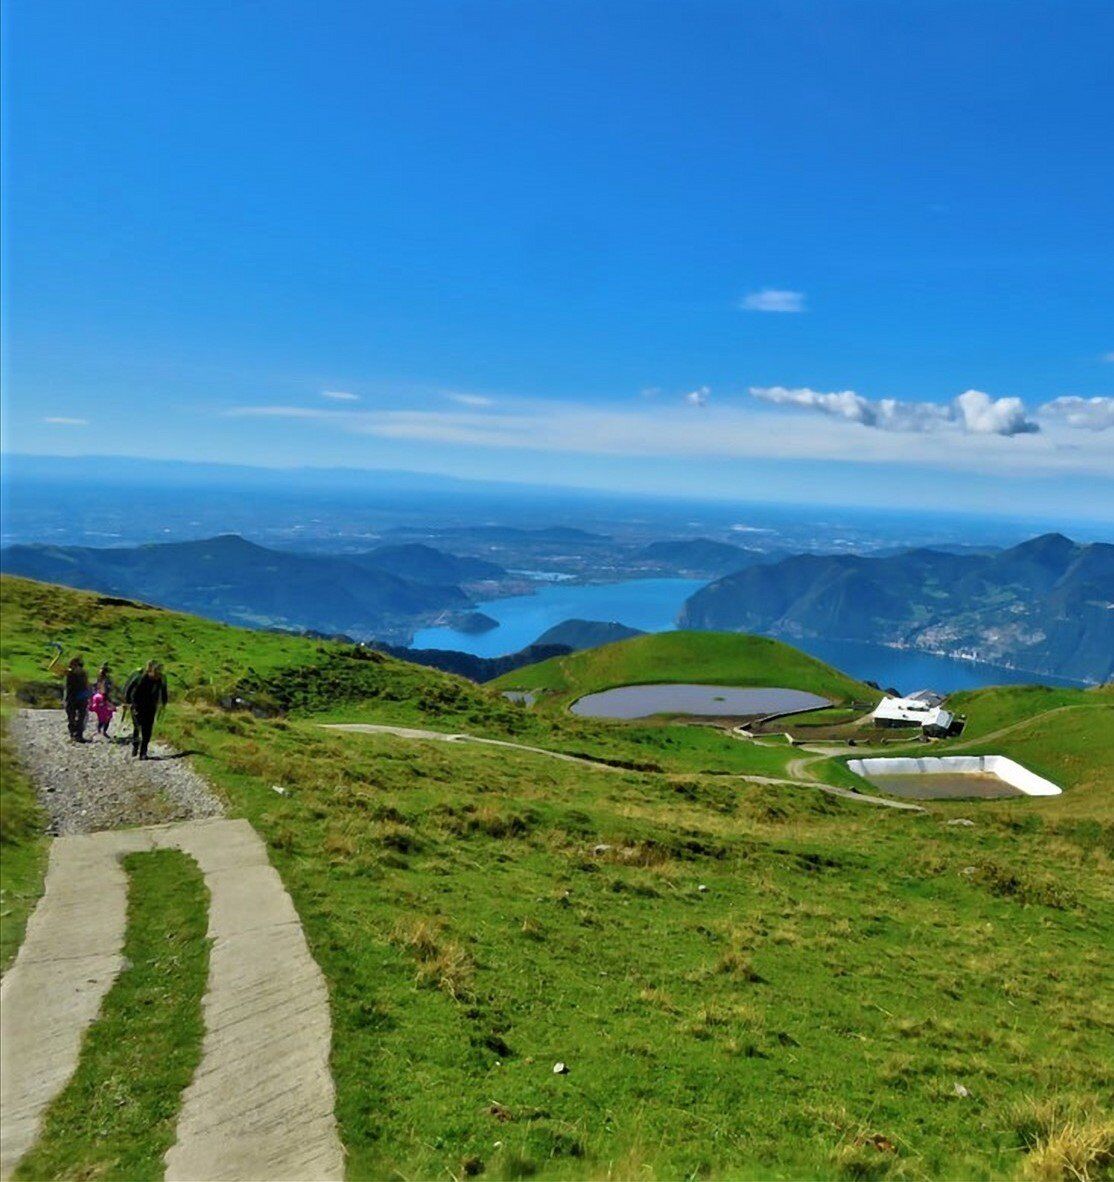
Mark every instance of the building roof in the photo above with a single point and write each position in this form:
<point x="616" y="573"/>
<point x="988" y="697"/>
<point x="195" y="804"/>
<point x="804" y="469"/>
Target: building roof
<point x="912" y="710"/>
<point x="926" y="695"/>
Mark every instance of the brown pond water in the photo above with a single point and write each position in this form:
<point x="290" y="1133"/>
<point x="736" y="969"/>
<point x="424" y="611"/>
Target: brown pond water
<point x="944" y="785"/>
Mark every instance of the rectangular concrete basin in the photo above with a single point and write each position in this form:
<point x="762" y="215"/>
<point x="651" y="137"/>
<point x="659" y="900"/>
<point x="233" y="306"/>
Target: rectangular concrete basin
<point x="914" y="776"/>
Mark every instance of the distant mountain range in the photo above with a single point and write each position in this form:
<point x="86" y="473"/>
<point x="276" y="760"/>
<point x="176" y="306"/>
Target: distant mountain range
<point x="699" y="556"/>
<point x="475" y="668"/>
<point x="1046" y="606"/>
<point x="383" y="593"/>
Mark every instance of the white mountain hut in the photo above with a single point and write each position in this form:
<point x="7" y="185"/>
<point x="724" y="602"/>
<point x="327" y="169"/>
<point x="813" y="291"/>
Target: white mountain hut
<point x="932" y="718"/>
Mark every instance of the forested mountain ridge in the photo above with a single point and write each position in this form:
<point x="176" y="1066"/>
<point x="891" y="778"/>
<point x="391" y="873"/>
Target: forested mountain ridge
<point x="702" y="556"/>
<point x="1046" y="605"/>
<point x="236" y="581"/>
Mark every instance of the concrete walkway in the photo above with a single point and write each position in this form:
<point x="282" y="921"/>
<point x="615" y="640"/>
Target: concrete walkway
<point x="260" y="1105"/>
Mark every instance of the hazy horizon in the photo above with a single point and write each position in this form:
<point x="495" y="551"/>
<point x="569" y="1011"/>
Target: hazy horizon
<point x="446" y="499"/>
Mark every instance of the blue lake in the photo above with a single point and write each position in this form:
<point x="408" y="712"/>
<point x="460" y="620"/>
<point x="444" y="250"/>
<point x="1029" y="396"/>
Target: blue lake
<point x="649" y="604"/>
<point x="910" y="671"/>
<point x="652" y="605"/>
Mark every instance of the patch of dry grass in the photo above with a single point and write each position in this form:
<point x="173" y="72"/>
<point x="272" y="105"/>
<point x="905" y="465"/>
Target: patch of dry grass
<point x="443" y="963"/>
<point x="1064" y="1144"/>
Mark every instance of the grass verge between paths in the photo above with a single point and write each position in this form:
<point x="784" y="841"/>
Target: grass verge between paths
<point x="23" y="848"/>
<point x="116" y="1117"/>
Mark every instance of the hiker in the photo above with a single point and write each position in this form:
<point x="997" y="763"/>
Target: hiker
<point x="76" y="694"/>
<point x="145" y="694"/>
<point x="104" y="683"/>
<point x="103" y="709"/>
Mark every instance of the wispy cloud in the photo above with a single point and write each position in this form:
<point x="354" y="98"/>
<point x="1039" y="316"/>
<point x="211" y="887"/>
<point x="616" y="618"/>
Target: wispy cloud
<point x="773" y="299"/>
<point x="973" y="411"/>
<point x="282" y="412"/>
<point x="340" y="396"/>
<point x="699" y="396"/>
<point x="477" y="400"/>
<point x="723" y="430"/>
<point x="1108" y="356"/>
<point x="1088" y="414"/>
<point x="65" y="421"/>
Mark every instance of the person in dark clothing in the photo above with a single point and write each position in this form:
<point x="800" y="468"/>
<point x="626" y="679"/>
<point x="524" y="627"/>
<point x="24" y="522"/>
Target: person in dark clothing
<point x="145" y="695"/>
<point x="104" y="683"/>
<point x="76" y="696"/>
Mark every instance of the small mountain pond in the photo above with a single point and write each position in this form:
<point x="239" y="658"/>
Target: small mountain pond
<point x="707" y="701"/>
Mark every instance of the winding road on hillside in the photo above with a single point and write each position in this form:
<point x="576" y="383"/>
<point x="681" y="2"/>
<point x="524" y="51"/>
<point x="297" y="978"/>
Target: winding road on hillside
<point x="260" y="1104"/>
<point x="416" y="735"/>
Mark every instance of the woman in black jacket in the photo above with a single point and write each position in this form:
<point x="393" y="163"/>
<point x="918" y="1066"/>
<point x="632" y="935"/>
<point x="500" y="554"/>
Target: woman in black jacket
<point x="145" y="696"/>
<point x="77" y="699"/>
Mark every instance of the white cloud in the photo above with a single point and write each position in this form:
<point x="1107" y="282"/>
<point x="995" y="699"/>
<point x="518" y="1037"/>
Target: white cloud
<point x="471" y="399"/>
<point x="699" y="396"/>
<point x="772" y="299"/>
<point x="340" y="396"/>
<point x="887" y="414"/>
<point x="1089" y="414"/>
<point x="982" y="415"/>
<point x="65" y="421"/>
<point x="1108" y="357"/>
<point x="975" y="412"/>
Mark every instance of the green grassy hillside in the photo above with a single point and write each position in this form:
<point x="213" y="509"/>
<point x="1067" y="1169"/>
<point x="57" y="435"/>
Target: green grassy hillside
<point x="719" y="658"/>
<point x="1066" y="735"/>
<point x="332" y="682"/>
<point x="745" y="980"/>
<point x="195" y="652"/>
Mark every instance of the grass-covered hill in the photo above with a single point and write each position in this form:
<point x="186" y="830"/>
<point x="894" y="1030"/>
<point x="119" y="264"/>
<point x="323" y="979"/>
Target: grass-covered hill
<point x="744" y="979"/>
<point x="1066" y="735"/>
<point x="711" y="657"/>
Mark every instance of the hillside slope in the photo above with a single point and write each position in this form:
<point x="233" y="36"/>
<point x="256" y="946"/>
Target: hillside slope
<point x="715" y="658"/>
<point x="424" y="564"/>
<point x="1043" y="606"/>
<point x="231" y="579"/>
<point x="742" y="979"/>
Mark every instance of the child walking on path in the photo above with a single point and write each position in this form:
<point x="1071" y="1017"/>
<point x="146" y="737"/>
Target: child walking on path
<point x="103" y="709"/>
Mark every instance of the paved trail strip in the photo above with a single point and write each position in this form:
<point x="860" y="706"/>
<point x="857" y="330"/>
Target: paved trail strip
<point x="260" y="1104"/>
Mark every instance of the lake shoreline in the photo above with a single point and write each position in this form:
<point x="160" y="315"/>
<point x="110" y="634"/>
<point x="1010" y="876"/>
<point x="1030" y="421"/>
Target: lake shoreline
<point x="653" y="605"/>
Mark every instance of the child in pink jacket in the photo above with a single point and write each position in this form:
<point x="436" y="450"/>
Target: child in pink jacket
<point x="104" y="710"/>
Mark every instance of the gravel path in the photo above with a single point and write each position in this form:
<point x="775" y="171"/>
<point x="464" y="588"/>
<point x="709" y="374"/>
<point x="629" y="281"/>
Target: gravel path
<point x="86" y="787"/>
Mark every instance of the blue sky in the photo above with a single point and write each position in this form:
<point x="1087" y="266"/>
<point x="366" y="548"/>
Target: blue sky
<point x="744" y="249"/>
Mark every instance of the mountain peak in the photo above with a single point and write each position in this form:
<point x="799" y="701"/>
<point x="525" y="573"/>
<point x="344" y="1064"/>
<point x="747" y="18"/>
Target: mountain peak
<point x="1052" y="546"/>
<point x="1046" y="541"/>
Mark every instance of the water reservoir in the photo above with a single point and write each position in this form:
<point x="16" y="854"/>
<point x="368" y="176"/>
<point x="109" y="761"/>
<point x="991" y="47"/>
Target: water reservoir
<point x="707" y="701"/>
<point x="956" y="777"/>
